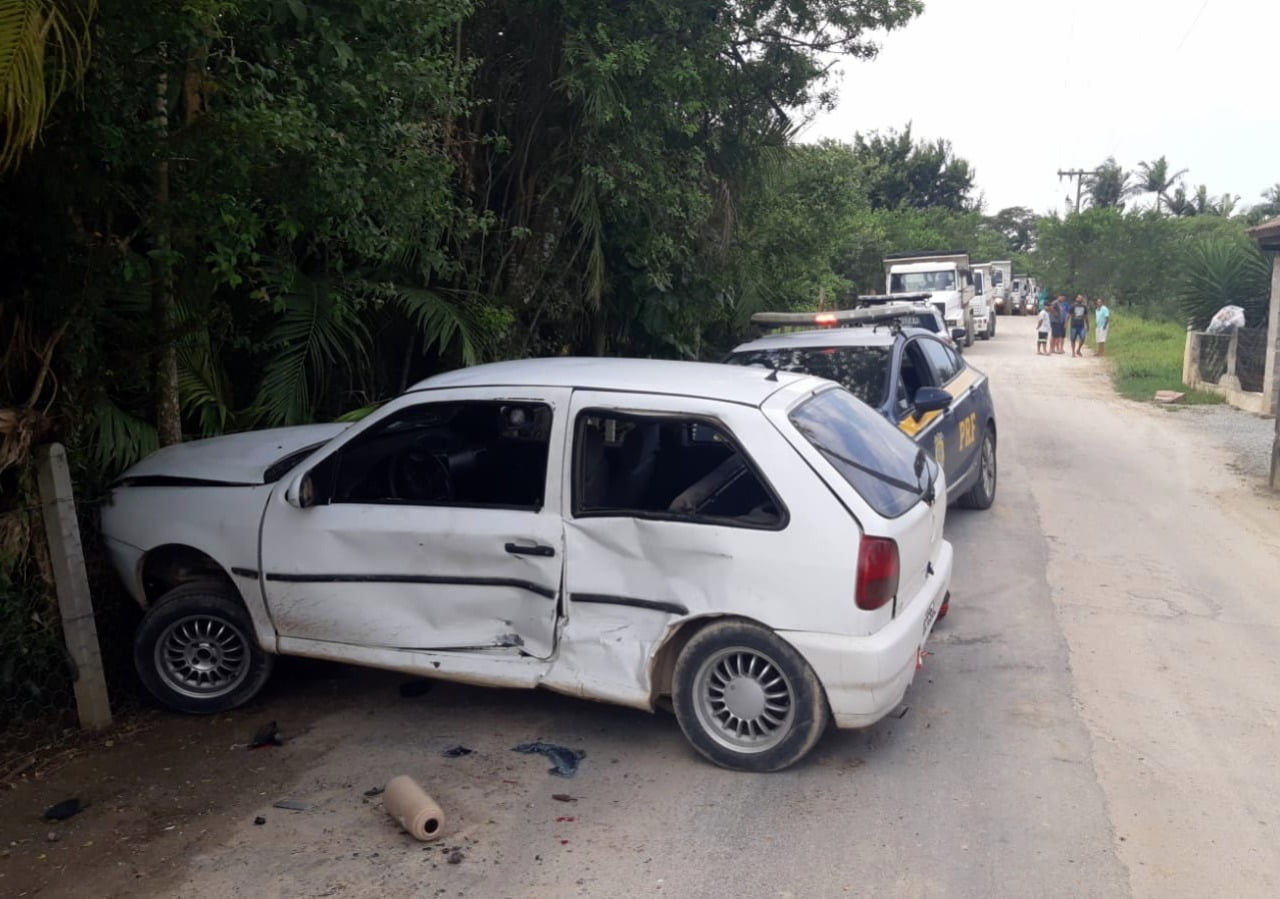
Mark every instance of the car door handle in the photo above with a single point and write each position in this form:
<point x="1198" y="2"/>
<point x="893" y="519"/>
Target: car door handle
<point x="536" y="550"/>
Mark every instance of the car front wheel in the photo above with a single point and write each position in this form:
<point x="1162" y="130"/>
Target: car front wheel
<point x="983" y="492"/>
<point x="746" y="699"/>
<point x="196" y="651"/>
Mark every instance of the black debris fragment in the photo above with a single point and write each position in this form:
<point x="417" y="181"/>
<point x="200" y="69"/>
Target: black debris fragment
<point x="455" y="857"/>
<point x="419" y="687"/>
<point x="259" y="821"/>
<point x="564" y="759"/>
<point x="267" y="735"/>
<point x="454" y="752"/>
<point x="63" y="810"/>
<point x="563" y="797"/>
<point x="374" y="791"/>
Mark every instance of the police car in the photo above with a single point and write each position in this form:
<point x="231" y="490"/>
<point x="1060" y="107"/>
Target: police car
<point x="915" y="378"/>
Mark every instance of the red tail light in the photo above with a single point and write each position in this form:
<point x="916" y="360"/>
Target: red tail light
<point x="877" y="572"/>
<point x="824" y="319"/>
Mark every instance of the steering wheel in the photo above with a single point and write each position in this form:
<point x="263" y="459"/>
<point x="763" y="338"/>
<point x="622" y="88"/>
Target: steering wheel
<point x="421" y="476"/>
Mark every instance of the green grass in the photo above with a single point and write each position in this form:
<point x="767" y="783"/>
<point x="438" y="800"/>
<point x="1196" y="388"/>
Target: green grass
<point x="1146" y="356"/>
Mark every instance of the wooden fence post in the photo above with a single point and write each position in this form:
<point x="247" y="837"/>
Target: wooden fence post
<point x="74" y="600"/>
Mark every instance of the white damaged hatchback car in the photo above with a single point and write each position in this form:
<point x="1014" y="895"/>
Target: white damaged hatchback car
<point x="760" y="547"/>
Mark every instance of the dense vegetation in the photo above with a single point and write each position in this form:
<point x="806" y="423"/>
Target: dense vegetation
<point x="264" y="212"/>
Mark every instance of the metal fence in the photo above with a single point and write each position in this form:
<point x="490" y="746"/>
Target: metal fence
<point x="1211" y="361"/>
<point x="1251" y="358"/>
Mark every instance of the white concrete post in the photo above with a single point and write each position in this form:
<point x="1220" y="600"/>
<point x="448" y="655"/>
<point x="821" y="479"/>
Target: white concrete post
<point x="1271" y="378"/>
<point x="74" y="600"/>
<point x="1190" y="356"/>
<point x="1229" y="379"/>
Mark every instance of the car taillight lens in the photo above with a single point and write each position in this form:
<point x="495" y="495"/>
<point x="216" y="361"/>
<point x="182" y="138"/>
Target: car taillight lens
<point x="877" y="572"/>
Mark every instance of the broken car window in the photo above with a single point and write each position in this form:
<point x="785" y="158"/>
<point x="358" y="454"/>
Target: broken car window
<point x="476" y="453"/>
<point x="667" y="466"/>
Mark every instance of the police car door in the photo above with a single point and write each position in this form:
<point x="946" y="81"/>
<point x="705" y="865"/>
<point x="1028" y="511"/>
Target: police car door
<point x="957" y="431"/>
<point x="916" y="371"/>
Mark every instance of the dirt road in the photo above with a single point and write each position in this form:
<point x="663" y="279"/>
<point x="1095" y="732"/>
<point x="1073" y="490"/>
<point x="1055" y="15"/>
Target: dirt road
<point x="1097" y="719"/>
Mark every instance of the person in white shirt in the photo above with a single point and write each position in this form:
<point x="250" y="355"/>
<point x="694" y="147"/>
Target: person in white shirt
<point x="1042" y="333"/>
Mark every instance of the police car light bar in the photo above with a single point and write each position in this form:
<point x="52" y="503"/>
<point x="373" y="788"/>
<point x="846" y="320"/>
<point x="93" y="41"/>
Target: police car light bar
<point x="877" y="299"/>
<point x="843" y="317"/>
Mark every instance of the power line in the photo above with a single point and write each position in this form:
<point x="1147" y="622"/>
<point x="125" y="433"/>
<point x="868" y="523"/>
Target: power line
<point x="1192" y="26"/>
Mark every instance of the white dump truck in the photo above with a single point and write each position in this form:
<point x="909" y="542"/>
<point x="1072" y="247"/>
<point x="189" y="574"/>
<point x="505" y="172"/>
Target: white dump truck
<point x="1000" y="291"/>
<point x="983" y="304"/>
<point x="946" y="276"/>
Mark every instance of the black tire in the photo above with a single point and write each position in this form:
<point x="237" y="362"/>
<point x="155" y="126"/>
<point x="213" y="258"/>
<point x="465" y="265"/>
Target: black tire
<point x="196" y="650"/>
<point x="793" y="704"/>
<point x="983" y="492"/>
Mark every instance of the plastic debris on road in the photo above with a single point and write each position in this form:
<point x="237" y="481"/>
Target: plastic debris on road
<point x="563" y="758"/>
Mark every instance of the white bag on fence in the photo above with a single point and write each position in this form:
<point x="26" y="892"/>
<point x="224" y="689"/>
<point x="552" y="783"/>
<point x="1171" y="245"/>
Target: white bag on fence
<point x="1226" y="320"/>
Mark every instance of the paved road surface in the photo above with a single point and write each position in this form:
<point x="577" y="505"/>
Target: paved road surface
<point x="1098" y="718"/>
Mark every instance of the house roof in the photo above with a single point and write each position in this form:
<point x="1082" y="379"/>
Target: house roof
<point x="1267" y="234"/>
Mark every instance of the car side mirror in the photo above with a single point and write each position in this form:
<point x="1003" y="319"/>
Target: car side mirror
<point x="301" y="492"/>
<point x="930" y="399"/>
<point x="957" y="334"/>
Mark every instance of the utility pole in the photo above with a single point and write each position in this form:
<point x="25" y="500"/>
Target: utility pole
<point x="1079" y="175"/>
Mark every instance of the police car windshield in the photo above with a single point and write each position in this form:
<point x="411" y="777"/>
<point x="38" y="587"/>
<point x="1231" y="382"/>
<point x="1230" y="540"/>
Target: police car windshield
<point x="862" y="370"/>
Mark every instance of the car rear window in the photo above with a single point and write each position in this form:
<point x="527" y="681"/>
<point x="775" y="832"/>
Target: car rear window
<point x="862" y="370"/>
<point x="872" y="455"/>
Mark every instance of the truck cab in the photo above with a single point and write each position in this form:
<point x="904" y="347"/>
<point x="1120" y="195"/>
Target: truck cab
<point x="947" y="276"/>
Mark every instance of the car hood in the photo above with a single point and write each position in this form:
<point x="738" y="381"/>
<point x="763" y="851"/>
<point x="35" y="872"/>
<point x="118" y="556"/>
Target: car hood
<point x="233" y="459"/>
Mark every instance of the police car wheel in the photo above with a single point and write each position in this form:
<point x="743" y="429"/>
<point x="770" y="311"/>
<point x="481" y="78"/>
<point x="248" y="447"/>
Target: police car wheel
<point x="746" y="699"/>
<point x="983" y="492"/>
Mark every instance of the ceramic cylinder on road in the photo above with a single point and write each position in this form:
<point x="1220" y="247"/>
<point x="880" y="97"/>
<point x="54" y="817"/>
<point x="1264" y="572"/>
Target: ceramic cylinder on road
<point x="415" y="811"/>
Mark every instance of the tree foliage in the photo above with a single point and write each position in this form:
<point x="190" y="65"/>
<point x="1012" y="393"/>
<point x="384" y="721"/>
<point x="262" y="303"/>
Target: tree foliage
<point x="903" y="173"/>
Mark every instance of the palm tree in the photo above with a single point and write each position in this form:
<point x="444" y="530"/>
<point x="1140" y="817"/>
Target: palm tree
<point x="1180" y="204"/>
<point x="1154" y="178"/>
<point x="1226" y="205"/>
<point x="1201" y="201"/>
<point x="1109" y="185"/>
<point x="43" y="46"/>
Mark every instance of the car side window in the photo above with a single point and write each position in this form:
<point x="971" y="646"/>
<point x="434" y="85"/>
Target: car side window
<point x="667" y="467"/>
<point x="914" y="372"/>
<point x="470" y="453"/>
<point x="946" y="364"/>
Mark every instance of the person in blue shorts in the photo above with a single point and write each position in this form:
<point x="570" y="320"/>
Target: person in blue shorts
<point x="1079" y="319"/>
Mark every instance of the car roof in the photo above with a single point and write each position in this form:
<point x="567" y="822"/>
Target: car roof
<point x="880" y="336"/>
<point x="706" y="380"/>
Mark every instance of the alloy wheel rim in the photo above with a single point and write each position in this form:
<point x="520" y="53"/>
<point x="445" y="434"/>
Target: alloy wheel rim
<point x="202" y="656"/>
<point x="743" y="700"/>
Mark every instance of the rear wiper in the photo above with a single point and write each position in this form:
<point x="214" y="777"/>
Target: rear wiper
<point x="878" y="475"/>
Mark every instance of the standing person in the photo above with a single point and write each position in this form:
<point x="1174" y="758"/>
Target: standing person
<point x="1042" y="332"/>
<point x="1101" y="320"/>
<point x="1057" y="326"/>
<point x="1079" y="316"/>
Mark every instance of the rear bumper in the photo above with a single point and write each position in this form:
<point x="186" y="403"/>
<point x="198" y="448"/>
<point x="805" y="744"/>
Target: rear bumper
<point x="865" y="678"/>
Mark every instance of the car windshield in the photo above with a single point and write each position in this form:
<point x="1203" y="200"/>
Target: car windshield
<point x="872" y="455"/>
<point x="912" y="282"/>
<point x="862" y="370"/>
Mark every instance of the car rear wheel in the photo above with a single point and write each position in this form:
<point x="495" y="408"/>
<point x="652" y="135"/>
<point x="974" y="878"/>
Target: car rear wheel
<point x="746" y="699"/>
<point x="983" y="493"/>
<point x="196" y="651"/>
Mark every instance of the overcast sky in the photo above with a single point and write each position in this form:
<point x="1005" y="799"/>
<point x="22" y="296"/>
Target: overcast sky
<point x="1023" y="88"/>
